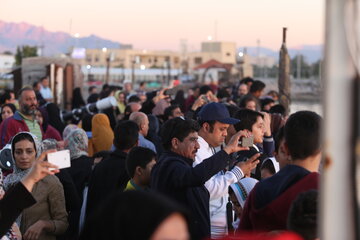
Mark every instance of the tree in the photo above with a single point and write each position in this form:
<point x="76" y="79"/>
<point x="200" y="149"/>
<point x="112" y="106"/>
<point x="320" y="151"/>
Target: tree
<point x="24" y="52"/>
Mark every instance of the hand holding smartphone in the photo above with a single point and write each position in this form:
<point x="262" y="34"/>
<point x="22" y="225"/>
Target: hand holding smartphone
<point x="60" y="158"/>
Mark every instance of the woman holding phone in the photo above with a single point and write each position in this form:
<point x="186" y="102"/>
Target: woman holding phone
<point x="47" y="217"/>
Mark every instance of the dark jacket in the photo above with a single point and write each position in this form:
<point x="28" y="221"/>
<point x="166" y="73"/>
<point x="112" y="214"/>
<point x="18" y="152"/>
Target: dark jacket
<point x="15" y="200"/>
<point x="108" y="176"/>
<point x="267" y="207"/>
<point x="175" y="177"/>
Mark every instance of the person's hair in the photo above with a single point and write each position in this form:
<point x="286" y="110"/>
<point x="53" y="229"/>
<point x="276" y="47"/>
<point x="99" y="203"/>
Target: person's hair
<point x="246" y="99"/>
<point x="257" y="86"/>
<point x="87" y="122"/>
<point x="10" y="105"/>
<point x="35" y="84"/>
<point x="223" y="93"/>
<point x="126" y="135"/>
<point x="210" y="122"/>
<point x="137" y="117"/>
<point x="247" y="119"/>
<point x="232" y="109"/>
<point x="91" y="88"/>
<point x="94" y="97"/>
<point x="43" y="78"/>
<point x="177" y="128"/>
<point x="268" y="165"/>
<point x="246" y="80"/>
<point x="134" y="98"/>
<point x="278" y="138"/>
<point x="302" y="134"/>
<point x="23" y="90"/>
<point x="278" y="108"/>
<point x="5" y="96"/>
<point x="205" y="89"/>
<point x="119" y="209"/>
<point x="273" y="93"/>
<point x="138" y="156"/>
<point x="169" y="111"/>
<point x="20" y="137"/>
<point x="265" y="102"/>
<point x="102" y="154"/>
<point x="302" y="217"/>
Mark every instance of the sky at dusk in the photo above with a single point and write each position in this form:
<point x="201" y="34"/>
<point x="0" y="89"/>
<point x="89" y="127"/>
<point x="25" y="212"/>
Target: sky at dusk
<point x="160" y="24"/>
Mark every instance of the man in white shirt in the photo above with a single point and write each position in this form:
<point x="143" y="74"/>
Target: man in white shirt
<point x="45" y="89"/>
<point x="214" y="121"/>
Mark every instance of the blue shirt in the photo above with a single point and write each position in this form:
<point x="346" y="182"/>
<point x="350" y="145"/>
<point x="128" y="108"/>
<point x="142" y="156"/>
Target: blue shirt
<point x="143" y="142"/>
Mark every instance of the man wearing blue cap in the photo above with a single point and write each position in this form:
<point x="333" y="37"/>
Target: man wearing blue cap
<point x="214" y="120"/>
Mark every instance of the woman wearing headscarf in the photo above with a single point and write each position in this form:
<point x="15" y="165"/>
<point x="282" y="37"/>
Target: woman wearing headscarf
<point x="49" y="131"/>
<point x="81" y="163"/>
<point x="47" y="218"/>
<point x="134" y="215"/>
<point x="54" y="117"/>
<point x="77" y="99"/>
<point x="121" y="101"/>
<point x="102" y="134"/>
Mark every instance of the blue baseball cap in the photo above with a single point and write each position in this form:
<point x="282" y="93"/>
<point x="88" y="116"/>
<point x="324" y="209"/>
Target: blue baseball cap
<point x="216" y="112"/>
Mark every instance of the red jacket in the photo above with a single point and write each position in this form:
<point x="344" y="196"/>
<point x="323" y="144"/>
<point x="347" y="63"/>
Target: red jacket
<point x="273" y="216"/>
<point x="11" y="126"/>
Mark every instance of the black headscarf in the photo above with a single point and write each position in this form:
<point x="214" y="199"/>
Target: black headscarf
<point x="54" y="117"/>
<point x="130" y="215"/>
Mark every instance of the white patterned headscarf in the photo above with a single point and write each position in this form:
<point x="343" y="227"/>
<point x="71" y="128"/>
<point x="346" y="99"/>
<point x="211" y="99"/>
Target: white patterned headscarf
<point x="18" y="173"/>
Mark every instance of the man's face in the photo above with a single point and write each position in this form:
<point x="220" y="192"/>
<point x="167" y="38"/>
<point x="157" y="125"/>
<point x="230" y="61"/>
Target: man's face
<point x="243" y="90"/>
<point x="146" y="173"/>
<point x="145" y="127"/>
<point x="176" y="113"/>
<point x="258" y="130"/>
<point x="45" y="82"/>
<point x="218" y="134"/>
<point x="28" y="102"/>
<point x="135" y="107"/>
<point x="188" y="147"/>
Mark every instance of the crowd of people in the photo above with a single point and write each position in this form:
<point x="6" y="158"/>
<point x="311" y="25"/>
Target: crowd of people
<point x="207" y="162"/>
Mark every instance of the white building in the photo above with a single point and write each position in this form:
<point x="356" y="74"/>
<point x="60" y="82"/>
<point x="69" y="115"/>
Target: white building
<point x="6" y="63"/>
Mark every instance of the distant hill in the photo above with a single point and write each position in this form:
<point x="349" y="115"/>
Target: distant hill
<point x="312" y="53"/>
<point x="17" y="34"/>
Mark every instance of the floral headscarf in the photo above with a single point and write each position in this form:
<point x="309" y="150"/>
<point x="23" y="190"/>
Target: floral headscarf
<point x="77" y="143"/>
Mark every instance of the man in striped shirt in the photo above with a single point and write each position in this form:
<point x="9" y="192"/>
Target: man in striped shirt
<point x="23" y="120"/>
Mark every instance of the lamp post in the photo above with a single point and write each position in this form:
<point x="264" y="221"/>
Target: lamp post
<point x="88" y="67"/>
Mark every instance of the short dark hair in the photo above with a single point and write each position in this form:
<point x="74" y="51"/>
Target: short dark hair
<point x="35" y="84"/>
<point x="246" y="80"/>
<point x="266" y="101"/>
<point x="91" y="88"/>
<point x="5" y="96"/>
<point x="257" y="86"/>
<point x="302" y="217"/>
<point x="43" y="78"/>
<point x="134" y="98"/>
<point x="278" y="138"/>
<point x="23" y="90"/>
<point x="269" y="165"/>
<point x="247" y="119"/>
<point x="169" y="111"/>
<point x="126" y="135"/>
<point x="278" y="108"/>
<point x="205" y="89"/>
<point x="177" y="128"/>
<point x="246" y="99"/>
<point x="303" y="134"/>
<point x="210" y="122"/>
<point x="138" y="156"/>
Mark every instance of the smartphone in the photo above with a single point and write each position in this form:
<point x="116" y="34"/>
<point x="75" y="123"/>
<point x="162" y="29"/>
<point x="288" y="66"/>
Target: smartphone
<point x="247" y="141"/>
<point x="60" y="158"/>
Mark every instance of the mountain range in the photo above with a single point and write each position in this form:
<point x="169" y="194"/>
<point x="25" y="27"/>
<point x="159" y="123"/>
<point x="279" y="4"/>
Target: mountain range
<point x="54" y="43"/>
